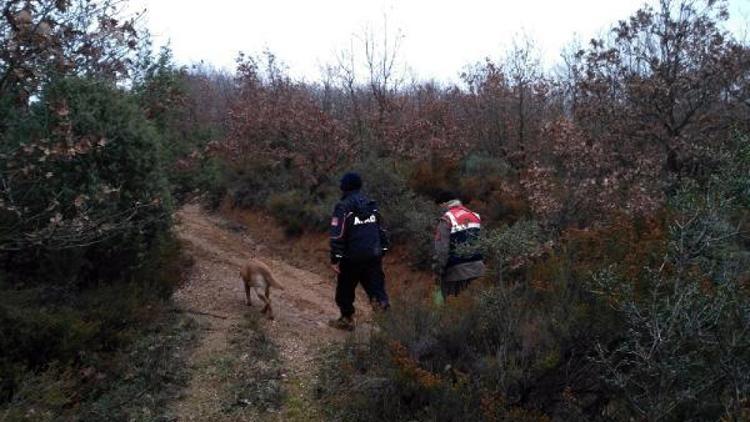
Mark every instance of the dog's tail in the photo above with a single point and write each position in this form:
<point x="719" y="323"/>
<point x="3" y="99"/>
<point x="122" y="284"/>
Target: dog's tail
<point x="271" y="279"/>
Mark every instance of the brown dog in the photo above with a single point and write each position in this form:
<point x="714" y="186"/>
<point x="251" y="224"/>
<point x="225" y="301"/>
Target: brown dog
<point x="257" y="276"/>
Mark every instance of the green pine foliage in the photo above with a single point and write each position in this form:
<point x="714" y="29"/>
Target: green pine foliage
<point x="85" y="228"/>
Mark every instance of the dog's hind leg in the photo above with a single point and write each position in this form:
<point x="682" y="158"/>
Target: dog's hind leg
<point x="266" y="298"/>
<point x="268" y="301"/>
<point x="248" y="302"/>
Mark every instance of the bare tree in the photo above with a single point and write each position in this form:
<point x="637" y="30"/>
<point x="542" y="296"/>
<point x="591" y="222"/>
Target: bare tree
<point x="524" y="68"/>
<point x="40" y="38"/>
<point x="346" y="73"/>
<point x="568" y="75"/>
<point x="660" y="83"/>
<point x="384" y="68"/>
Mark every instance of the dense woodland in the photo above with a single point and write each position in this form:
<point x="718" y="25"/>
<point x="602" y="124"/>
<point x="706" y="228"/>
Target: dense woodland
<point x="614" y="188"/>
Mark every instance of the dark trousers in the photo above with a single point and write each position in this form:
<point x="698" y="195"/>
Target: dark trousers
<point x="370" y="274"/>
<point x="453" y="288"/>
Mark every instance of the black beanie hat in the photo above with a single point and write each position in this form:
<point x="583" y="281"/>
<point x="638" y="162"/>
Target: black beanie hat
<point x="444" y="195"/>
<point x="350" y="182"/>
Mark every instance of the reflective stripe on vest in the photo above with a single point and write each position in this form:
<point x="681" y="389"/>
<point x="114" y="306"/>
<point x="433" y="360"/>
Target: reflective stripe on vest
<point x="465" y="227"/>
<point x="462" y="219"/>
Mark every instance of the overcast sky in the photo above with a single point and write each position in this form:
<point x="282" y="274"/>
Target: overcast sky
<point x="439" y="37"/>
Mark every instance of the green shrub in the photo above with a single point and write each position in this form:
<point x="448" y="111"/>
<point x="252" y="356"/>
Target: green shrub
<point x="486" y="182"/>
<point x="42" y="325"/>
<point x="205" y="177"/>
<point x="508" y="248"/>
<point x="509" y="352"/>
<point x="486" y="166"/>
<point x="685" y="350"/>
<point x="85" y="219"/>
<point x="182" y="106"/>
<point x="429" y="177"/>
<point x="297" y="212"/>
<point x="86" y="187"/>
<point x="252" y="183"/>
<point x="135" y="383"/>
<point x="408" y="218"/>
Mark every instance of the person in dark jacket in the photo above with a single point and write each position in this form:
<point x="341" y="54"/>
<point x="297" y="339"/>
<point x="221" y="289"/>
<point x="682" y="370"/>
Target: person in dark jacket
<point x="358" y="243"/>
<point x="456" y="262"/>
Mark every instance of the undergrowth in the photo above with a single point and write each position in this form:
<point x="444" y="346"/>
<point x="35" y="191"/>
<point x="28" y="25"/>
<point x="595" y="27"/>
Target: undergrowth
<point x="250" y="372"/>
<point x="136" y="383"/>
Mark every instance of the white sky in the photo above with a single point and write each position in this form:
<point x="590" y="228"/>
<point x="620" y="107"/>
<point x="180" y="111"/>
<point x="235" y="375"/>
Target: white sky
<point x="440" y="37"/>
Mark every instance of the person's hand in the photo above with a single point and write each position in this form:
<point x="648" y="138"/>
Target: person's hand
<point x="336" y="269"/>
<point x="436" y="269"/>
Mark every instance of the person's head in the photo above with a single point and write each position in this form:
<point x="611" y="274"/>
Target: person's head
<point x="351" y="182"/>
<point x="445" y="196"/>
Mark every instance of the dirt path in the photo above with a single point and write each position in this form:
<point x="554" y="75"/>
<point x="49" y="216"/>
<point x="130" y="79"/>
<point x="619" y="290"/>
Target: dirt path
<point x="214" y="287"/>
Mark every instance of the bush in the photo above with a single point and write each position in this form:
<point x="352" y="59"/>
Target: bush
<point x="85" y="216"/>
<point x="381" y="380"/>
<point x="508" y="248"/>
<point x="135" y="383"/>
<point x="297" y="213"/>
<point x="501" y="353"/>
<point x="253" y="181"/>
<point x="645" y="318"/>
<point x="487" y="182"/>
<point x="252" y="184"/>
<point x="188" y="113"/>
<point x="42" y="326"/>
<point x="430" y="177"/>
<point x="86" y="186"/>
<point x="684" y="351"/>
<point x="204" y="177"/>
<point x="409" y="218"/>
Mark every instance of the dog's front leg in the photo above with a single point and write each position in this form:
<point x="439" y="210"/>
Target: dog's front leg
<point x="268" y="303"/>
<point x="248" y="302"/>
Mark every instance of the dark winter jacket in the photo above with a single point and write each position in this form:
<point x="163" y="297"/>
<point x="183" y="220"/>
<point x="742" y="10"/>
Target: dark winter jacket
<point x="357" y="232"/>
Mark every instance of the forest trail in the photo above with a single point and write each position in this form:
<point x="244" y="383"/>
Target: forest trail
<point x="214" y="293"/>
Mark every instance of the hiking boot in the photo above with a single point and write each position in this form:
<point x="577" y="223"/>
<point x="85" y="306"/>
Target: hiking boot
<point x="343" y="323"/>
<point x="378" y="307"/>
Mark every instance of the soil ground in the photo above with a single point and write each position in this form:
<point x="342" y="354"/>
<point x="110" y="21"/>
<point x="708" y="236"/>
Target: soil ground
<point x="214" y="294"/>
